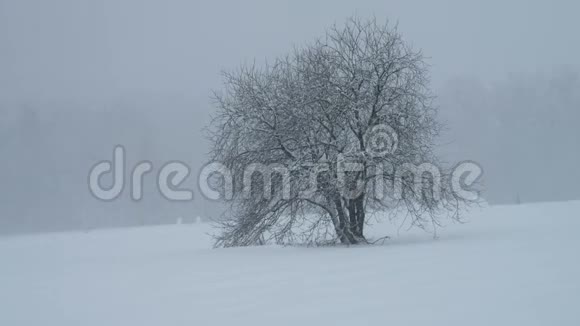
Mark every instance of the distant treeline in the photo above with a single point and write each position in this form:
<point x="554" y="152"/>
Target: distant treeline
<point x="523" y="130"/>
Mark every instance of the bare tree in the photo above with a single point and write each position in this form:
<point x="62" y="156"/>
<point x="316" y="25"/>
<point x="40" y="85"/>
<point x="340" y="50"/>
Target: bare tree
<point x="314" y="139"/>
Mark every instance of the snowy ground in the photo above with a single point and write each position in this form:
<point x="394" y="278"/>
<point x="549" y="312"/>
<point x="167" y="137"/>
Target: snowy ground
<point x="515" y="265"/>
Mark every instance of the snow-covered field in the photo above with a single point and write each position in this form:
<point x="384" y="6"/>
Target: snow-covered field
<point x="510" y="265"/>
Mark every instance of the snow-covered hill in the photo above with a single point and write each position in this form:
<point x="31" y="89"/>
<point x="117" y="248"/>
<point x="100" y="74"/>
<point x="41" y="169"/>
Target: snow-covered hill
<point x="511" y="265"/>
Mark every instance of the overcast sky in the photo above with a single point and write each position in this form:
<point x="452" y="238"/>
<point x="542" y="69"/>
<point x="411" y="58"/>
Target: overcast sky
<point x="64" y="49"/>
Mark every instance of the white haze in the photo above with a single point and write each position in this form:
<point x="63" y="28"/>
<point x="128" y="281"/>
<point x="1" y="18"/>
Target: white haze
<point x="78" y="77"/>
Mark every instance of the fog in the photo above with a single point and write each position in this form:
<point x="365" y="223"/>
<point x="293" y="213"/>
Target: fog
<point x="78" y="77"/>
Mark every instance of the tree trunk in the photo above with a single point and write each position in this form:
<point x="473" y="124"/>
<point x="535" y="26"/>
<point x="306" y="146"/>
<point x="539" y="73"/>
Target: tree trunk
<point x="343" y="229"/>
<point x="357" y="217"/>
<point x="360" y="209"/>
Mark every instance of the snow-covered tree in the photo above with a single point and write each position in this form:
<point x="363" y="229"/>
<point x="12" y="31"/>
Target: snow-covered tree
<point x="314" y="139"/>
